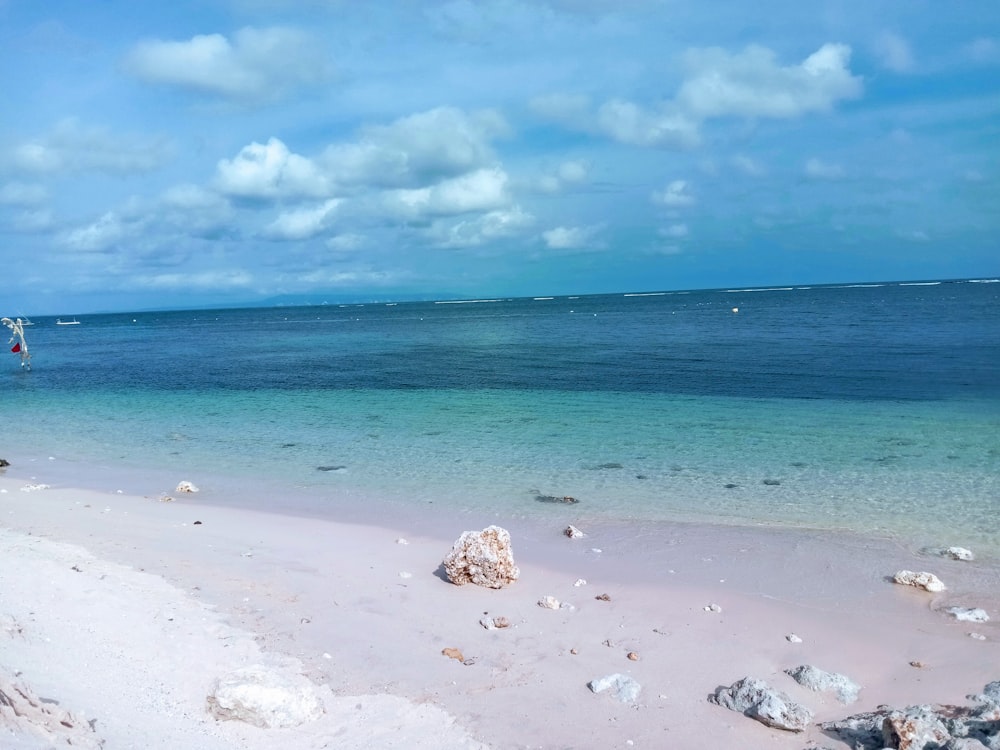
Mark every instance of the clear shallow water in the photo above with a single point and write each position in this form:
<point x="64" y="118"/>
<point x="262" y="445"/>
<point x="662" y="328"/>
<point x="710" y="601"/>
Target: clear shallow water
<point x="872" y="409"/>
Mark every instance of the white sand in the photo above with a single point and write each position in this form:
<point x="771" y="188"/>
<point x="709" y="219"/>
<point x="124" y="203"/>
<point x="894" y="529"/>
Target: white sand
<point x="123" y="611"/>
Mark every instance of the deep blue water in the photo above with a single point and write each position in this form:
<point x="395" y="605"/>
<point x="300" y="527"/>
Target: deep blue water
<point x="870" y="407"/>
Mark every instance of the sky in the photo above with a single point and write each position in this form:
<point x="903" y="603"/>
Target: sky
<point x="234" y="152"/>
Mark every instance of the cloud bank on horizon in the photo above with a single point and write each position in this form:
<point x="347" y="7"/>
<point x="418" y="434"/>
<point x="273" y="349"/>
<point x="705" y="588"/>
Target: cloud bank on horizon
<point x="233" y="151"/>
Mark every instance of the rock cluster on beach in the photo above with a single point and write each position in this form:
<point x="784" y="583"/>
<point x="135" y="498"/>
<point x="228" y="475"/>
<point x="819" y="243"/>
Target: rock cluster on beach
<point x="926" y="727"/>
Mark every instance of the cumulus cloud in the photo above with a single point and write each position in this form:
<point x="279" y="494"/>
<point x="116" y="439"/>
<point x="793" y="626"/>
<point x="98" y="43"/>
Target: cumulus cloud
<point x="894" y="53"/>
<point x="629" y="123"/>
<point x="303" y="223"/>
<point x="566" y="175"/>
<point x="753" y="84"/>
<point x="257" y="64"/>
<point x="820" y="170"/>
<point x="73" y="147"/>
<point x="674" y="195"/>
<point x="481" y="190"/>
<point x="571" y="238"/>
<point x="420" y="148"/>
<point x="98" y="236"/>
<point x="194" y="210"/>
<point x="675" y="231"/>
<point x="479" y="230"/>
<point x="270" y="171"/>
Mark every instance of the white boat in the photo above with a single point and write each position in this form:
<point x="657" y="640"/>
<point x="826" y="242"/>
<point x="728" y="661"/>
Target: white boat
<point x="61" y="322"/>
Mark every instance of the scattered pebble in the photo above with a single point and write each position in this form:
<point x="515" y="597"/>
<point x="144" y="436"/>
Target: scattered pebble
<point x="603" y="598"/>
<point x="580" y="582"/>
<point x="792" y="638"/>
<point x="917" y="664"/>
<point x="404" y="574"/>
<point x="977" y="636"/>
<point x="573" y="533"/>
<point x="712" y="608"/>
<point x="186" y="486"/>
<point x="401" y="541"/>
<point x="574" y="651"/>
<point x="967" y="614"/>
<point x="595" y="550"/>
<point x="633" y="656"/>
<point x="495" y="623"/>
<point x="549" y="602"/>
<point x="453" y="653"/>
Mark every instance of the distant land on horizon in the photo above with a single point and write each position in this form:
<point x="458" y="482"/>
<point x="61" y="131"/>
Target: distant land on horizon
<point x="321" y="300"/>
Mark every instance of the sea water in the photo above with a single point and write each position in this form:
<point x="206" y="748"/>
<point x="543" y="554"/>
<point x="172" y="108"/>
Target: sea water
<point x="867" y="408"/>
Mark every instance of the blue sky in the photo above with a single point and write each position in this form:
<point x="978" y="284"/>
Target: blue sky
<point x="233" y="151"/>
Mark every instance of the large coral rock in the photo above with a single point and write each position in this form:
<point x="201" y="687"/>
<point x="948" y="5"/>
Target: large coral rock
<point x="483" y="558"/>
<point x="265" y="698"/>
<point x="758" y="700"/>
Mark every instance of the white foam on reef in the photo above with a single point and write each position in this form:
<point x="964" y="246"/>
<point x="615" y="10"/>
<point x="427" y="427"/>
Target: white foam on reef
<point x="465" y="301"/>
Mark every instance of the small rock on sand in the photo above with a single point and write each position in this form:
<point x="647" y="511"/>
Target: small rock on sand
<point x="623" y="688"/>
<point x="921" y="580"/>
<point x="967" y="614"/>
<point x="186" y="486"/>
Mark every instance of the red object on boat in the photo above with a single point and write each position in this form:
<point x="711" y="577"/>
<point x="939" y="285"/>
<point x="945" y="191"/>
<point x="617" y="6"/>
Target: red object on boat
<point x="16" y="348"/>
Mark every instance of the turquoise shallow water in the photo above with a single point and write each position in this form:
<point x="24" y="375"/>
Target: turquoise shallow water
<point x="879" y="414"/>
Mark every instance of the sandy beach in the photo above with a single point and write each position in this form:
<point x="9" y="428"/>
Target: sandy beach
<point x="125" y="611"/>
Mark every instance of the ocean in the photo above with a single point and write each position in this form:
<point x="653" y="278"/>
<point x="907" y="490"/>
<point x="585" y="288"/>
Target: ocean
<point x="869" y="408"/>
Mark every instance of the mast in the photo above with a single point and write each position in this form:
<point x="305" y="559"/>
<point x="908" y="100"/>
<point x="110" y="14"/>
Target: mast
<point x="17" y="339"/>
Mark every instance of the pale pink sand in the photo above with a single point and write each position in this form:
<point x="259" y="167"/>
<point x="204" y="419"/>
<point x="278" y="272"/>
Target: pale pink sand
<point x="132" y="623"/>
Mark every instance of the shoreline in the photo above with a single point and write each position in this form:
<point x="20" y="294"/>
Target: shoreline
<point x="331" y="596"/>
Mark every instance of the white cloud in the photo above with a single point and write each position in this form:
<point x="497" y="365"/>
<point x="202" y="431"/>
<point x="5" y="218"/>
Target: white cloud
<point x="22" y="194"/>
<point x="482" y="190"/>
<point x="219" y="279"/>
<point x="72" y="147"/>
<point x="674" y="195"/>
<point x="566" y="175"/>
<point x="257" y="64"/>
<point x="479" y="230"/>
<point x="346" y="243"/>
<point x="753" y="84"/>
<point x="270" y="171"/>
<point x="100" y="235"/>
<point x="895" y="53"/>
<point x="571" y="238"/>
<point x="820" y="170"/>
<point x="675" y="231"/>
<point x="628" y="123"/>
<point x="417" y="149"/>
<point x="193" y="210"/>
<point x="303" y="223"/>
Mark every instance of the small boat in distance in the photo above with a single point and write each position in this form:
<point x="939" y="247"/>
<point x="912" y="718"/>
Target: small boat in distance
<point x="61" y="322"/>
